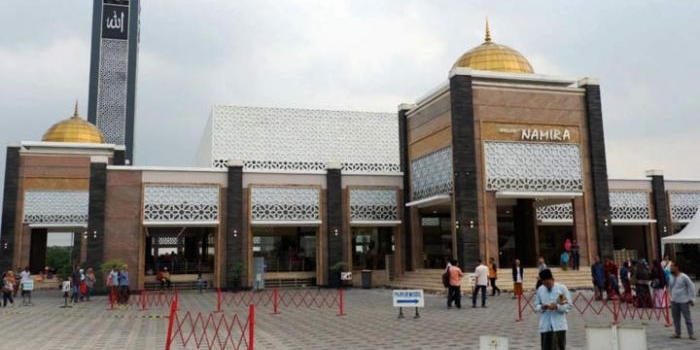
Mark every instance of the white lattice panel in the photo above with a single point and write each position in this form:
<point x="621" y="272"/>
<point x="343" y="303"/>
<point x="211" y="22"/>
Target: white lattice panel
<point x="533" y="167"/>
<point x="285" y="203"/>
<point x="431" y="174"/>
<point x="373" y="205"/>
<point x="563" y="211"/>
<point x="111" y="92"/>
<point x="68" y="208"/>
<point x="172" y="203"/>
<point x="274" y="139"/>
<point x="683" y="205"/>
<point x="629" y="205"/>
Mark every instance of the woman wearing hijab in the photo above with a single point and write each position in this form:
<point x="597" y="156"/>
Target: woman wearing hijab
<point x="658" y="284"/>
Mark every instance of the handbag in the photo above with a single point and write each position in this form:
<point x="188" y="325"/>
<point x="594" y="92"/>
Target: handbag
<point x="446" y="278"/>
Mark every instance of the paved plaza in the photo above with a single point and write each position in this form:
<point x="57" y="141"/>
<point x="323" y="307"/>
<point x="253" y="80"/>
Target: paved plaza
<point x="370" y="323"/>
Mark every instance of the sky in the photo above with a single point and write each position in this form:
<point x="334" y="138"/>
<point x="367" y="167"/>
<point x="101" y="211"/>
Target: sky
<point x="366" y="55"/>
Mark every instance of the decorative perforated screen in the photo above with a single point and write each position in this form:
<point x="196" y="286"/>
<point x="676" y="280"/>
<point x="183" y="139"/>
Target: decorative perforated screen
<point x="533" y="167"/>
<point x="431" y="174"/>
<point x="172" y="203"/>
<point x="683" y="205"/>
<point x="69" y="208"/>
<point x="373" y="205"/>
<point x="285" y="203"/>
<point x="276" y="139"/>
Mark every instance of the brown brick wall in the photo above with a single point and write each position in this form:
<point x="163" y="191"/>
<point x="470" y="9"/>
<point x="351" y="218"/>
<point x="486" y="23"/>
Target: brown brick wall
<point x="123" y="237"/>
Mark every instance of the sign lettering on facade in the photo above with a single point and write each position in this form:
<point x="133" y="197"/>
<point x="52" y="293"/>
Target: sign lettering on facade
<point x="115" y="20"/>
<point x="530" y="132"/>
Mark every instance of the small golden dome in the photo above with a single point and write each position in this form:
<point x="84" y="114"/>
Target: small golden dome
<point x="74" y="129"/>
<point x="494" y="57"/>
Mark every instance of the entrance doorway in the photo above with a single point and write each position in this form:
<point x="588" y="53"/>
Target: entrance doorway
<point x="183" y="250"/>
<point x="437" y="241"/>
<point x="631" y="239"/>
<point x="286" y="249"/>
<point x="551" y="240"/>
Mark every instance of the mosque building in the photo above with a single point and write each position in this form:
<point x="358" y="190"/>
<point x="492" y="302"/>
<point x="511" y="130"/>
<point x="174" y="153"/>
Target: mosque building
<point x="497" y="161"/>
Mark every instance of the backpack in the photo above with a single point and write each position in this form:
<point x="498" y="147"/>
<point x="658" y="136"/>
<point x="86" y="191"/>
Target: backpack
<point x="446" y="278"/>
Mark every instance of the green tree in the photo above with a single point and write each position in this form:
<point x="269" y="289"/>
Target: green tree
<point x="58" y="258"/>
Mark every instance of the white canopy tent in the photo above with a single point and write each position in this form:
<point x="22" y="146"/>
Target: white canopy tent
<point x="690" y="234"/>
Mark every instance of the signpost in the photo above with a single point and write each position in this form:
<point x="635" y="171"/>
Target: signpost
<point x="408" y="298"/>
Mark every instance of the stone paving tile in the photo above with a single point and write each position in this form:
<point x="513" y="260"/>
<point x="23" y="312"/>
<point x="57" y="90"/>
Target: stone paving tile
<point x="370" y="323"/>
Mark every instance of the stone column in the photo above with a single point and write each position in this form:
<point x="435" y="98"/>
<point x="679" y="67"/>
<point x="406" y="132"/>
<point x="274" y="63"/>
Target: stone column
<point x="662" y="213"/>
<point x="9" y="208"/>
<point x="525" y="221"/>
<point x="405" y="168"/>
<point x="96" y="213"/>
<point x="334" y="216"/>
<point x="234" y="220"/>
<point x="465" y="204"/>
<point x="599" y="170"/>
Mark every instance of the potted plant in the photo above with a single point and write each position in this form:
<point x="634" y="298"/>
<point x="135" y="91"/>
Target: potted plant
<point x="336" y="269"/>
<point x="236" y="277"/>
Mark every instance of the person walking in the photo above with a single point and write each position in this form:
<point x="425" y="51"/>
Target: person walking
<point x="124" y="284"/>
<point x="575" y="255"/>
<point x="517" y="279"/>
<point x="453" y="290"/>
<point x="90" y="282"/>
<point x="481" y="278"/>
<point x="76" y="279"/>
<point x="26" y="285"/>
<point x="598" y="278"/>
<point x="564" y="259"/>
<point x="552" y="302"/>
<point x="567" y="249"/>
<point x="493" y="276"/>
<point x="8" y="287"/>
<point x="682" y="297"/>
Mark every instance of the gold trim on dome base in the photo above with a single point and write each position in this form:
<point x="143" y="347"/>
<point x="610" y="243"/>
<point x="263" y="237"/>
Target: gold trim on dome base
<point x="74" y="129"/>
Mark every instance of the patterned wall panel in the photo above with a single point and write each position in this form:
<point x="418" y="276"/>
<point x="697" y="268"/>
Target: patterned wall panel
<point x="285" y="203"/>
<point x="533" y="167"/>
<point x="68" y="208"/>
<point x="275" y="139"/>
<point x="373" y="205"/>
<point x="111" y="94"/>
<point x="683" y="205"/>
<point x="629" y="205"/>
<point x="564" y="211"/>
<point x="171" y="203"/>
<point x="431" y="174"/>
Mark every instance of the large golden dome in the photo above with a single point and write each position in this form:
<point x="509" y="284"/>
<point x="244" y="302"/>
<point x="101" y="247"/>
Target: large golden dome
<point x="74" y="129"/>
<point x="494" y="57"/>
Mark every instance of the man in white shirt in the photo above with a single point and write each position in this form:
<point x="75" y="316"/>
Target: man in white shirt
<point x="682" y="298"/>
<point x="517" y="279"/>
<point x="27" y="284"/>
<point x="481" y="279"/>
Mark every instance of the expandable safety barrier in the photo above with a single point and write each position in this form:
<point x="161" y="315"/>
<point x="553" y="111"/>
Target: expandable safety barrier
<point x="281" y="298"/>
<point x="210" y="330"/>
<point x="143" y="300"/>
<point x="616" y="309"/>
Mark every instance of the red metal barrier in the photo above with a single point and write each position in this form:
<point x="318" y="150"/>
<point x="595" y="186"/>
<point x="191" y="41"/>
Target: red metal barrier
<point x="143" y="300"/>
<point x="210" y="331"/>
<point x="277" y="299"/>
<point x="616" y="309"/>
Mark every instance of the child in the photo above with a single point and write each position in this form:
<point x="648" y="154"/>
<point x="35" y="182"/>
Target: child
<point x="66" y="288"/>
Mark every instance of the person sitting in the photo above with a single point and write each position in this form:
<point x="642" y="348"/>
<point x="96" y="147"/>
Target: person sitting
<point x="164" y="278"/>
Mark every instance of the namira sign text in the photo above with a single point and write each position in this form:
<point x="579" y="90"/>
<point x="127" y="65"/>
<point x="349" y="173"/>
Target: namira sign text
<point x="533" y="133"/>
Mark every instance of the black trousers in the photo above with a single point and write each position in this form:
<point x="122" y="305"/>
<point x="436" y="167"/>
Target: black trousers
<point x="553" y="340"/>
<point x="483" y="295"/>
<point x="454" y="295"/>
<point x="494" y="289"/>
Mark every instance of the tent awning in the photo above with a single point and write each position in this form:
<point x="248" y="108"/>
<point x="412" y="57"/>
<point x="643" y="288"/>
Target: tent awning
<point x="688" y="235"/>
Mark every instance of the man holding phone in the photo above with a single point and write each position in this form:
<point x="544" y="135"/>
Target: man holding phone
<point x="552" y="302"/>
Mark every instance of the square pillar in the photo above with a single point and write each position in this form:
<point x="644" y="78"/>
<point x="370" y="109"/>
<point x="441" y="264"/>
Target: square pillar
<point x="334" y="217"/>
<point x="234" y="224"/>
<point x="9" y="231"/>
<point x="95" y="234"/>
<point x="404" y="234"/>
<point x="662" y="213"/>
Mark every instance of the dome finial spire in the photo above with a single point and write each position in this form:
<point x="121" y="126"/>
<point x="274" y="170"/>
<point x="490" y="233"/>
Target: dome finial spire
<point x="75" y="111"/>
<point x="487" y="38"/>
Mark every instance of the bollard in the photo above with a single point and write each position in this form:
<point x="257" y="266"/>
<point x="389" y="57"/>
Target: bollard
<point x="666" y="308"/>
<point x="341" y="302"/>
<point x="143" y="300"/>
<point x="616" y="312"/>
<point x="275" y="301"/>
<point x="218" y="300"/>
<point x="171" y="320"/>
<point x="519" y="316"/>
<point x="111" y="299"/>
<point x="251" y="327"/>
